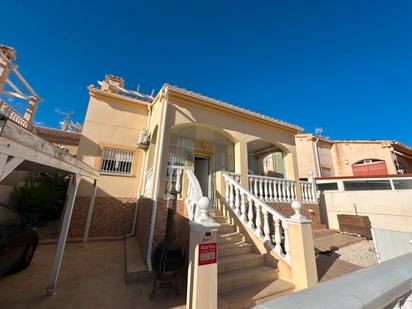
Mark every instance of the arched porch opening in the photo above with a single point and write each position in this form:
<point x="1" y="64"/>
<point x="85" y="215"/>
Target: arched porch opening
<point x="206" y="150"/>
<point x="266" y="159"/>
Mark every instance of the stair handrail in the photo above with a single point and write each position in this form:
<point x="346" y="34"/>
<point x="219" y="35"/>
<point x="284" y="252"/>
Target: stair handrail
<point x="251" y="218"/>
<point x="197" y="205"/>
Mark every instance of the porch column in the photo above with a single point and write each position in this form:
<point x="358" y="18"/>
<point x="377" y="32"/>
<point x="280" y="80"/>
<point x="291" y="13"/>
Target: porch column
<point x="241" y="163"/>
<point x="302" y="253"/>
<point x="292" y="172"/>
<point x="71" y="196"/>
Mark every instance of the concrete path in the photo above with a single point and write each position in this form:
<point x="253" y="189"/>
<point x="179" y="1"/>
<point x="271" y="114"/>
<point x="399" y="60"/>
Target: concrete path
<point x="92" y="277"/>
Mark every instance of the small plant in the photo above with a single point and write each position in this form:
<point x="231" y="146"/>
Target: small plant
<point x="41" y="197"/>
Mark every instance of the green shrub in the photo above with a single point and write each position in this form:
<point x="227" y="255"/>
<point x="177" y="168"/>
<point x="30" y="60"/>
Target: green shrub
<point x="41" y="197"/>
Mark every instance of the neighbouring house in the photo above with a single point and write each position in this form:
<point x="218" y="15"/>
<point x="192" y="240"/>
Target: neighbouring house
<point x="66" y="140"/>
<point x="357" y="178"/>
<point x="142" y="145"/>
<point x="384" y="201"/>
<point x="324" y="157"/>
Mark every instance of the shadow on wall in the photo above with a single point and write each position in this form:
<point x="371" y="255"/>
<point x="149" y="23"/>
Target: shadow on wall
<point x="323" y="210"/>
<point x="143" y="224"/>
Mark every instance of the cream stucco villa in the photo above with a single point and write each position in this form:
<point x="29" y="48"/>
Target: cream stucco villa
<point x="142" y="144"/>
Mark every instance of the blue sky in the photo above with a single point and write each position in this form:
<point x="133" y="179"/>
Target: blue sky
<point x="344" y="66"/>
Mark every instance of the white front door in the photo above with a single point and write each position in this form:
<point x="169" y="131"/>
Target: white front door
<point x="202" y="173"/>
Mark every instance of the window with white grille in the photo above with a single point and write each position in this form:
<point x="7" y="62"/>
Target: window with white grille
<point x="116" y="161"/>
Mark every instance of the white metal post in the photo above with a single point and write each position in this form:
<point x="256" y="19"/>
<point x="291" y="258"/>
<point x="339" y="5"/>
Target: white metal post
<point x="90" y="213"/>
<point x="71" y="196"/>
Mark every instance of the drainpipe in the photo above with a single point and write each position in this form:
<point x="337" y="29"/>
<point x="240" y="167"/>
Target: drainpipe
<point x="139" y="192"/>
<point x="315" y="150"/>
<point x="156" y="184"/>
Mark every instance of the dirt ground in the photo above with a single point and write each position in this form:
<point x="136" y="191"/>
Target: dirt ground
<point x="338" y="254"/>
<point x="92" y="277"/>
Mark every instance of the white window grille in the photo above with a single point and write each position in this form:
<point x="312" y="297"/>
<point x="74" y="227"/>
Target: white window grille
<point x="116" y="161"/>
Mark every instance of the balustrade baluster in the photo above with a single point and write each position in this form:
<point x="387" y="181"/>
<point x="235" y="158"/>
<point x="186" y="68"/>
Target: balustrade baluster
<point x="283" y="191"/>
<point x="266" y="190"/>
<point x="309" y="193"/>
<point x="270" y="183"/>
<point x="278" y="238"/>
<point x="286" y="234"/>
<point x="261" y="196"/>
<point x="250" y="216"/>
<point x="306" y="193"/>
<point x="287" y="184"/>
<point x="169" y="179"/>
<point x="255" y="186"/>
<point x="250" y="184"/>
<point x="266" y="229"/>
<point x="258" y="229"/>
<point x="243" y="208"/>
<point x="312" y="194"/>
<point x="231" y="197"/>
<point x="292" y="191"/>
<point x="302" y="190"/>
<point x="178" y="179"/>
<point x="227" y="190"/>
<point x="275" y="193"/>
<point x="237" y="201"/>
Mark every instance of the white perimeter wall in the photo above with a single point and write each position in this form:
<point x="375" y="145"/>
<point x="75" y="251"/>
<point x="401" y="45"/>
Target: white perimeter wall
<point x="386" y="209"/>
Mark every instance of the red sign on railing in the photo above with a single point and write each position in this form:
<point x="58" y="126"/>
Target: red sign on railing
<point x="207" y="253"/>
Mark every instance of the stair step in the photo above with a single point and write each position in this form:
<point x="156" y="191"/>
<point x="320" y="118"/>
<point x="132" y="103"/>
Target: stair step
<point x="226" y="228"/>
<point x="230" y="237"/>
<point x="221" y="219"/>
<point x="215" y="212"/>
<point x="235" y="262"/>
<point x="233" y="244"/>
<point x="235" y="249"/>
<point x="245" y="277"/>
<point x="252" y="295"/>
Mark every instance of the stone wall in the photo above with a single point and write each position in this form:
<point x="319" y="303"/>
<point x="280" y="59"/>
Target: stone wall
<point x="143" y="225"/>
<point x="314" y="215"/>
<point x="111" y="217"/>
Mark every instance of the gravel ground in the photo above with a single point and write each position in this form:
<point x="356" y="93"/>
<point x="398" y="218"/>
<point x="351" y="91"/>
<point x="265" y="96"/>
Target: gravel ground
<point x="361" y="253"/>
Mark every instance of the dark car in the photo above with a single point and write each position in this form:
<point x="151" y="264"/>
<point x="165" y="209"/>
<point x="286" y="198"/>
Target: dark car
<point x="18" y="241"/>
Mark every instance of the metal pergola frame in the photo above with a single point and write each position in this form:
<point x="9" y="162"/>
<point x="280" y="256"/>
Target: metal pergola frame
<point x="21" y="149"/>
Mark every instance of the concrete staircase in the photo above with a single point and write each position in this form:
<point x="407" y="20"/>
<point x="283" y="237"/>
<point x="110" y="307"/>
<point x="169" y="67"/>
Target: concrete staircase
<point x="244" y="279"/>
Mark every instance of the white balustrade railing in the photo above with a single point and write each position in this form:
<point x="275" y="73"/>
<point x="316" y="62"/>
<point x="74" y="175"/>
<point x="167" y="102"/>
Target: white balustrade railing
<point x="267" y="223"/>
<point x="235" y="176"/>
<point x="308" y="192"/>
<point x="12" y="114"/>
<point x="174" y="176"/>
<point x="272" y="189"/>
<point x="197" y="205"/>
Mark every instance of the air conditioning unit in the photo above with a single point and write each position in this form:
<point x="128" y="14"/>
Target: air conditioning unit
<point x="143" y="140"/>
